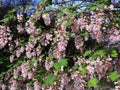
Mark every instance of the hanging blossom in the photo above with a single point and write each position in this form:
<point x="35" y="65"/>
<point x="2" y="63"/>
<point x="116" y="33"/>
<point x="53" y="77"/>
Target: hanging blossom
<point x="75" y="26"/>
<point x="29" y="87"/>
<point x="94" y="28"/>
<point x="38" y="50"/>
<point x="19" y="51"/>
<point x="57" y="54"/>
<point x="114" y="35"/>
<point x="90" y="68"/>
<point x="36" y="16"/>
<point x="64" y="80"/>
<point x="5" y="36"/>
<point x="117" y="85"/>
<point x="82" y="21"/>
<point x="15" y="73"/>
<point x="14" y="85"/>
<point x="7" y="76"/>
<point x="48" y="38"/>
<point x="3" y="86"/>
<point x="63" y="38"/>
<point x="37" y="85"/>
<point x="78" y="81"/>
<point x="48" y="64"/>
<point x="78" y="42"/>
<point x="20" y="17"/>
<point x="12" y="58"/>
<point x="62" y="41"/>
<point x="79" y="84"/>
<point x="20" y="29"/>
<point x="31" y="29"/>
<point x="16" y="42"/>
<point x="46" y="19"/>
<point x="24" y="69"/>
<point x="11" y="47"/>
<point x="30" y="51"/>
<point x="30" y="75"/>
<point x="99" y="68"/>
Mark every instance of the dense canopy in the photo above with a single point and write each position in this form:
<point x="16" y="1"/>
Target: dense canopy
<point x="63" y="48"/>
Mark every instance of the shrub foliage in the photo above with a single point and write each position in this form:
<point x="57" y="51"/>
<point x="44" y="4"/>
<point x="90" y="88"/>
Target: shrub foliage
<point x="60" y="49"/>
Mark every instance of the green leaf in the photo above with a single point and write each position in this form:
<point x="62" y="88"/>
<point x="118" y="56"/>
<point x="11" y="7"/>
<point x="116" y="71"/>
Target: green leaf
<point x="114" y="53"/>
<point x="58" y="65"/>
<point x="83" y="64"/>
<point x="114" y="75"/>
<point x="83" y="71"/>
<point x="69" y="23"/>
<point x="20" y="78"/>
<point x="30" y="83"/>
<point x="75" y="67"/>
<point x="60" y="14"/>
<point x="39" y="75"/>
<point x="49" y="80"/>
<point x="63" y="62"/>
<point x="92" y="58"/>
<point x="100" y="53"/>
<point x="46" y="2"/>
<point x="84" y="34"/>
<point x="87" y="53"/>
<point x="93" y="82"/>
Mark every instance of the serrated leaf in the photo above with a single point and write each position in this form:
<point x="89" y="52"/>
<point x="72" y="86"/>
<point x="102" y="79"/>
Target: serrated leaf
<point x="114" y="53"/>
<point x="85" y="34"/>
<point x="100" y="53"/>
<point x="30" y="83"/>
<point x="83" y="71"/>
<point x="75" y="67"/>
<point x="69" y="23"/>
<point x="63" y="62"/>
<point x="49" y="80"/>
<point x="59" y="64"/>
<point x="20" y="78"/>
<point x="113" y="76"/>
<point x="92" y="58"/>
<point x="87" y="53"/>
<point x="93" y="82"/>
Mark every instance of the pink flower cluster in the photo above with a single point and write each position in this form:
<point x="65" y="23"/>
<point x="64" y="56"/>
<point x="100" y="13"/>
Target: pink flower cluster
<point x="94" y="28"/>
<point x="41" y="50"/>
<point x="31" y="29"/>
<point x="114" y="35"/>
<point x="78" y="42"/>
<point x="5" y="36"/>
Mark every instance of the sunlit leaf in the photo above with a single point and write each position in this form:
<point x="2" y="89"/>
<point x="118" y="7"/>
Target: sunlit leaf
<point x="93" y="82"/>
<point x="114" y="75"/>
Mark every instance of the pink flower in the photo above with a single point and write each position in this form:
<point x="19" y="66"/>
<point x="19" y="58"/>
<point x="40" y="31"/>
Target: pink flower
<point x="37" y="85"/>
<point x="16" y="42"/>
<point x="30" y="75"/>
<point x="46" y="19"/>
<point x="78" y="42"/>
<point x="15" y="73"/>
<point x="12" y="58"/>
<point x="111" y="7"/>
<point x="48" y="64"/>
<point x="29" y="54"/>
<point x="11" y="47"/>
<point x="29" y="87"/>
<point x="49" y="36"/>
<point x="19" y="17"/>
<point x="18" y="53"/>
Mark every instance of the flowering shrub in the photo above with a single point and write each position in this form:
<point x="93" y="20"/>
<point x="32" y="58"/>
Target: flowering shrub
<point x="60" y="50"/>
